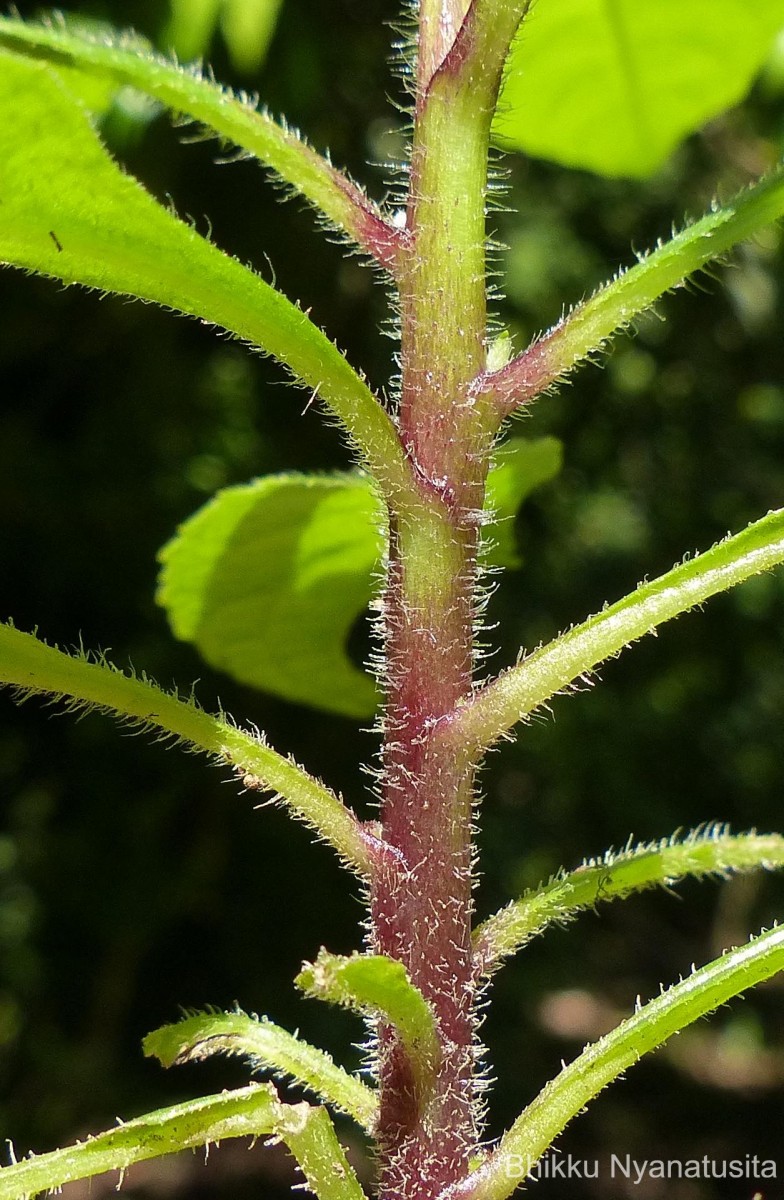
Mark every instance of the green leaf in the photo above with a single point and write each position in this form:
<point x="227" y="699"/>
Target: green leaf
<point x="614" y="85"/>
<point x="268" y="578"/>
<point x="85" y="681"/>
<point x="379" y="986"/>
<point x="235" y="119"/>
<point x="68" y="211"/>
<point x="269" y="1048"/>
<point x="520" y="465"/>
<point x="706" y="852"/>
<point x="564" y="1097"/>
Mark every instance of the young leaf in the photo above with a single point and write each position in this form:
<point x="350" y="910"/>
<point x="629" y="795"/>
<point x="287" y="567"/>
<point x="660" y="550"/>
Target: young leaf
<point x="268" y="1047"/>
<point x="98" y="227"/>
<point x="600" y="1063"/>
<point x="31" y="666"/>
<point x="248" y="1112"/>
<point x="268" y="578"/>
<point x="705" y="852"/>
<point x="232" y="118"/>
<point x="504" y="701"/>
<point x="520" y="466"/>
<point x="615" y="86"/>
<point x="375" y="984"/>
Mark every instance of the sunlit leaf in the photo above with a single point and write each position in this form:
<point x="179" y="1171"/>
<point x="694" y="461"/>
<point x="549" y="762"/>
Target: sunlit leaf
<point x="614" y="85"/>
<point x="70" y="212"/>
<point x="268" y="578"/>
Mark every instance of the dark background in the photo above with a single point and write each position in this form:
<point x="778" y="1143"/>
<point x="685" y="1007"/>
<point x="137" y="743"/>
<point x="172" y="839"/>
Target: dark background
<point x="133" y="880"/>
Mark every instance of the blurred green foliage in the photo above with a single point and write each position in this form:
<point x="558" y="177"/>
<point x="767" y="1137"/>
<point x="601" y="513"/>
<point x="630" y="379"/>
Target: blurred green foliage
<point x="133" y="881"/>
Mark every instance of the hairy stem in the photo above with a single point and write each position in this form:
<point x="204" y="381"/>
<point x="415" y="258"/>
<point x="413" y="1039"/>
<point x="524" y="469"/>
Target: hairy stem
<point x="421" y="901"/>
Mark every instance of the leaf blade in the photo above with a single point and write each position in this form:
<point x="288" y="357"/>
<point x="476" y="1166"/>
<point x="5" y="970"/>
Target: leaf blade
<point x="613" y="86"/>
<point x="268" y="578"/>
<point x="519" y="466"/>
<point x="184" y="91"/>
<point x="100" y="228"/>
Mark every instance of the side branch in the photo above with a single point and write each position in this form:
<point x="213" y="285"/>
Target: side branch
<point x="499" y="705"/>
<point x="590" y="325"/>
<point x="269" y="1048"/>
<point x="128" y="62"/>
<point x="32" y="667"/>
<point x="481" y="46"/>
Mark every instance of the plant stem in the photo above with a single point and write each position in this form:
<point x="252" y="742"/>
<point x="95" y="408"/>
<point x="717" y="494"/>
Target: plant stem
<point x="421" y="904"/>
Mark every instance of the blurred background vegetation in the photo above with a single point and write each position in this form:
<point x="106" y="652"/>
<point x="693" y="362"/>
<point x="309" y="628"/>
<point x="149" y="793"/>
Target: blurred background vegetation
<point x="134" y="881"/>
